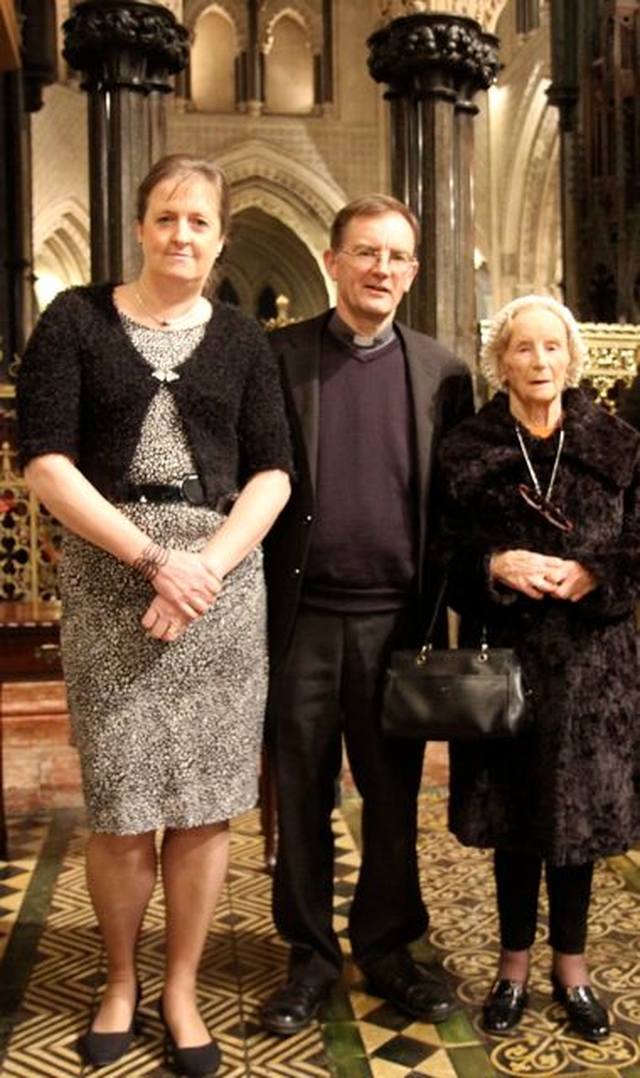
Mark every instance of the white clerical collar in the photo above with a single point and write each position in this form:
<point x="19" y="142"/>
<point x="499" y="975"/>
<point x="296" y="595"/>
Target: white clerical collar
<point x="345" y="333"/>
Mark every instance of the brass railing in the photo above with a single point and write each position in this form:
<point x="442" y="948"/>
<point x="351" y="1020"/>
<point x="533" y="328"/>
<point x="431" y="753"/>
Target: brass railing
<point x="29" y="538"/>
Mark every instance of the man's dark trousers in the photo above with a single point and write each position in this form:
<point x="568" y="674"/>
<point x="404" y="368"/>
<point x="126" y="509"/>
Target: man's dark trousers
<point x="329" y="687"/>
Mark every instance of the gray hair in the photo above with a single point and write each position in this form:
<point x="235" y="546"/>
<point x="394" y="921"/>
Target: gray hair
<point x="499" y="333"/>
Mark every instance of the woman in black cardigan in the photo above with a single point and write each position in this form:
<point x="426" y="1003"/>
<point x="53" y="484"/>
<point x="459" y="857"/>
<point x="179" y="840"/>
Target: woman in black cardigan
<point x="541" y="522"/>
<point x="152" y="427"/>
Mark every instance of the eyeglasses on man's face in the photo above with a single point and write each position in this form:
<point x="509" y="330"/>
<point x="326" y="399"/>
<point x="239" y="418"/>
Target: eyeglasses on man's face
<point x="547" y="509"/>
<point x="368" y="257"/>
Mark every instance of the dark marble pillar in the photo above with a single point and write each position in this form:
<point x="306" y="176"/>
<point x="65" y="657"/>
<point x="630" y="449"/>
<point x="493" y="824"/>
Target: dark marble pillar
<point x="433" y="64"/>
<point x="127" y="51"/>
<point x="20" y="95"/>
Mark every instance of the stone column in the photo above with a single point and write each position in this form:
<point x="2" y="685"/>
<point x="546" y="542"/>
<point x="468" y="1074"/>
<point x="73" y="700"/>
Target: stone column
<point x="564" y="94"/>
<point x="127" y="50"/>
<point x="433" y="65"/>
<point x="253" y="65"/>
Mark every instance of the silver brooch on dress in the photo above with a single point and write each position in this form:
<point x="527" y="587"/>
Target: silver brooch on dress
<point x="165" y="376"/>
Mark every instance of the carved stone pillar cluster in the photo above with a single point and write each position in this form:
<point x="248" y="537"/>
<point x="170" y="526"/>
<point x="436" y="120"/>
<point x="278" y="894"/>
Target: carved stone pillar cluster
<point x="596" y="88"/>
<point x="433" y="65"/>
<point x="127" y="51"/>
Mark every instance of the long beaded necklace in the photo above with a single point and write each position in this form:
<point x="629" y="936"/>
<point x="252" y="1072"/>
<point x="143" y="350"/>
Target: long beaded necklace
<point x="554" y="471"/>
<point x="164" y="323"/>
<point x="534" y="497"/>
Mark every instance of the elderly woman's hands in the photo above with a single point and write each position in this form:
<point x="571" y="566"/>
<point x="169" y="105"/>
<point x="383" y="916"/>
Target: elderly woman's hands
<point x="537" y="575"/>
<point x="186" y="585"/>
<point x="574" y="582"/>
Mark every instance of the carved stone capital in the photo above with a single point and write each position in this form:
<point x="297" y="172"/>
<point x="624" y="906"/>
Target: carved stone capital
<point x="432" y="53"/>
<point x="132" y="44"/>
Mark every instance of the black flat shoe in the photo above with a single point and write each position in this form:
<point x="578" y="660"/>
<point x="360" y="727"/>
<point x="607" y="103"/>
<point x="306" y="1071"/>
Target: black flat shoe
<point x="415" y="990"/>
<point x="293" y="1007"/>
<point x="198" y="1062"/>
<point x="101" y="1049"/>
<point x="587" y="1017"/>
<point x="504" y="1006"/>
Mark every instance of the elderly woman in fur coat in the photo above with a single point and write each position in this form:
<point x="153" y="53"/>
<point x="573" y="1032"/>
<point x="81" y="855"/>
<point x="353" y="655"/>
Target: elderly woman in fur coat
<point x="541" y="531"/>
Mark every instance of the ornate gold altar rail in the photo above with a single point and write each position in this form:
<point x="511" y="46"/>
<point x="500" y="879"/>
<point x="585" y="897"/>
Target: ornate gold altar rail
<point x="30" y="538"/>
<point x="614" y="357"/>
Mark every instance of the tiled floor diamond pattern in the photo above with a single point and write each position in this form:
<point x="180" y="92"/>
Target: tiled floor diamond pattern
<point x="50" y="970"/>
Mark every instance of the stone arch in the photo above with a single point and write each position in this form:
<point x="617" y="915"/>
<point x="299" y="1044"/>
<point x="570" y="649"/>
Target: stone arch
<point x="527" y="176"/>
<point x="62" y="248"/>
<point x="285" y="208"/>
<point x="539" y="244"/>
<point x="532" y="185"/>
<point x="213" y="59"/>
<point x="234" y="10"/>
<point x="299" y="10"/>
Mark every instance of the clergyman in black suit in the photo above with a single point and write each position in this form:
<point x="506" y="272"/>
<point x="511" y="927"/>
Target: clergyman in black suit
<point x="369" y="401"/>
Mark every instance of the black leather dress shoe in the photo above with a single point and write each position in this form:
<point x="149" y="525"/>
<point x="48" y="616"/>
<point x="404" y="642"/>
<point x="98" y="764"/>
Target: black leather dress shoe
<point x="293" y="1006"/>
<point x="587" y="1017"/>
<point x="504" y="1006"/>
<point x="413" y="989"/>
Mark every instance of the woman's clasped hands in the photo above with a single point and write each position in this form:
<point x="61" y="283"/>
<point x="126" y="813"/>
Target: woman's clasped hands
<point x="186" y="586"/>
<point x="537" y="575"/>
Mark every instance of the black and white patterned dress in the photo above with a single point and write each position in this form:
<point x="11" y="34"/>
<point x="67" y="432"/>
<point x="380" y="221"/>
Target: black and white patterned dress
<point x="169" y="734"/>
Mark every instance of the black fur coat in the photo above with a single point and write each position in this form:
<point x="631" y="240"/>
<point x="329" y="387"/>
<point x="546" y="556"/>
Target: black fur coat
<point x="569" y="791"/>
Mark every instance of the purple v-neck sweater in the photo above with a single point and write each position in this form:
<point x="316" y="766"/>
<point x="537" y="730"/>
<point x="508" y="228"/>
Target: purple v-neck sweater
<point x="363" y="555"/>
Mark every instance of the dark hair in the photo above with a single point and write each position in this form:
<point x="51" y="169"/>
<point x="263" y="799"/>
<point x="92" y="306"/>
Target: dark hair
<point x="183" y="166"/>
<point x="371" y="206"/>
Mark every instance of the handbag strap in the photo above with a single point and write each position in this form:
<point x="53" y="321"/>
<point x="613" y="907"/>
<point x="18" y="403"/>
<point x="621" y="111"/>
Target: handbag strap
<point x="431" y="628"/>
<point x="428" y="640"/>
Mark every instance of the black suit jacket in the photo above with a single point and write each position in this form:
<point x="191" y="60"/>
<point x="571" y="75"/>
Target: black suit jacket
<point x="441" y="396"/>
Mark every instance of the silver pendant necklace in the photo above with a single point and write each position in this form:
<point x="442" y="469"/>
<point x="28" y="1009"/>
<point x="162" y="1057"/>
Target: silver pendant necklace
<point x="544" y="498"/>
<point x="164" y="323"/>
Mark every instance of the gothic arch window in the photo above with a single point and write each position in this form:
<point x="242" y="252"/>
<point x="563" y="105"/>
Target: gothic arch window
<point x="289" y="66"/>
<point x="227" y="293"/>
<point x="266" y="306"/>
<point x="213" y="60"/>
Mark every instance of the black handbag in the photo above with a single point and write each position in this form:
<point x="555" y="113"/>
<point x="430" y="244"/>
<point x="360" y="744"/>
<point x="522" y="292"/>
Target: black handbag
<point x="455" y="694"/>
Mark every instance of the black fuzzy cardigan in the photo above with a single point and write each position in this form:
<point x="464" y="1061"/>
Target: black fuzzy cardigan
<point x="570" y="790"/>
<point x="83" y="391"/>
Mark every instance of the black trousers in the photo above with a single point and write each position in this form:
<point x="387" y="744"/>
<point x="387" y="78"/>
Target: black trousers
<point x="330" y="689"/>
<point x="518" y="879"/>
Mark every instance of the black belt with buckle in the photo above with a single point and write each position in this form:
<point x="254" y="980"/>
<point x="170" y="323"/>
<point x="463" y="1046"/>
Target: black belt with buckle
<point x="189" y="490"/>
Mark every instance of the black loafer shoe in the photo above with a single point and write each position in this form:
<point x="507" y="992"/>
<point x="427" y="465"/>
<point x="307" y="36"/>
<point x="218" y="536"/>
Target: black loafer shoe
<point x="293" y="1006"/>
<point x="504" y="1006"/>
<point x="102" y="1049"/>
<point x="587" y="1017"/>
<point x="413" y="989"/>
<point x="201" y="1061"/>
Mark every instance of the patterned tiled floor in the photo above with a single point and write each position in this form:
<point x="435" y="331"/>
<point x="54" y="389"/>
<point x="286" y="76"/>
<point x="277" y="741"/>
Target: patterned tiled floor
<point x="50" y="969"/>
